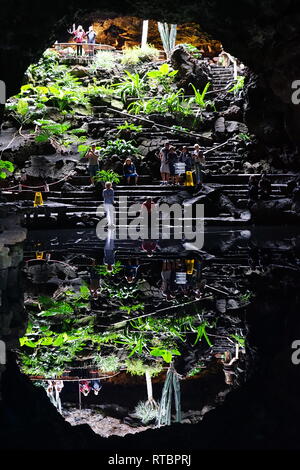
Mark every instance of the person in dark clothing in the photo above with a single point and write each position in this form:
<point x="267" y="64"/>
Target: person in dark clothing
<point x="186" y="157"/>
<point x="172" y="160"/>
<point x="264" y="185"/>
<point x="253" y="188"/>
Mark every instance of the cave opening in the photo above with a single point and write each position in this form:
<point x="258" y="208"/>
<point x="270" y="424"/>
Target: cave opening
<point x="132" y="333"/>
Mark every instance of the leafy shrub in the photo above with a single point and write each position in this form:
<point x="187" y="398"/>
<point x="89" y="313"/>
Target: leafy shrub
<point x="130" y="127"/>
<point x="103" y="176"/>
<point x="108" y="363"/>
<point x="6" y="167"/>
<point x="163" y="77"/>
<point x="146" y="412"/>
<point x="119" y="147"/>
<point x="138" y="367"/>
<point x="169" y="103"/>
<point x="104" y="60"/>
<point x="132" y="86"/>
<point x="238" y="86"/>
<point x="199" y="97"/>
<point x="136" y="54"/>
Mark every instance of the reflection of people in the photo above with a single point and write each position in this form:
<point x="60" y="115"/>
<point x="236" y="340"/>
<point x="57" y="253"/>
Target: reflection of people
<point x="167" y="272"/>
<point x="58" y="384"/>
<point x="131" y="269"/>
<point x="96" y="386"/>
<point x="109" y="255"/>
<point x="149" y="246"/>
<point x="84" y="387"/>
<point x="108" y="201"/>
<point x="50" y="392"/>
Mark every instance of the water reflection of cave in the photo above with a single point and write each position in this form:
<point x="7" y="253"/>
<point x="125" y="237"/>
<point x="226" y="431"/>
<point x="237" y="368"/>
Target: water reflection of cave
<point x="172" y="290"/>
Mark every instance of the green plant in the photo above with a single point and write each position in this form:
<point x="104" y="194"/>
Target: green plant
<point x="138" y="367"/>
<point x="238" y="86"/>
<point x="201" y="332"/>
<point x="6" y="168"/>
<point x="169" y="103"/>
<point x="168" y="36"/>
<point x="239" y="339"/>
<point x="132" y="86"/>
<point x="136" y="54"/>
<point x="103" y="176"/>
<point x="146" y="412"/>
<point x="192" y="50"/>
<point x="244" y="137"/>
<point x="163" y="77"/>
<point x="132" y="308"/>
<point x="166" y="354"/>
<point x="102" y="270"/>
<point x="196" y="370"/>
<point x="130" y="126"/>
<point x="199" y="97"/>
<point x="119" y="147"/>
<point x="104" y="60"/>
<point x="109" y="363"/>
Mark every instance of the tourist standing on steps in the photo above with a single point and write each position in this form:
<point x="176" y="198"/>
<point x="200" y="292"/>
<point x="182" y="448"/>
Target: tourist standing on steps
<point x="164" y="163"/>
<point x="91" y="39"/>
<point x="79" y="35"/>
<point x="93" y="158"/>
<point x="129" y="171"/>
<point x="108" y="201"/>
<point x="199" y="163"/>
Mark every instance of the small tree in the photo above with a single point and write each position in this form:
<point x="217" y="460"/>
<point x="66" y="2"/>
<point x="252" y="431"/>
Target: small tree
<point x="168" y="37"/>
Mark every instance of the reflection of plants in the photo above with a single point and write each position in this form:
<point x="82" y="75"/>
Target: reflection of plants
<point x="6" y="167"/>
<point x="132" y="308"/>
<point x="109" y="363"/>
<point x="146" y="412"/>
<point x="201" y="332"/>
<point x="196" y="370"/>
<point x="138" y="367"/>
<point x="166" y="354"/>
<point x="102" y="269"/>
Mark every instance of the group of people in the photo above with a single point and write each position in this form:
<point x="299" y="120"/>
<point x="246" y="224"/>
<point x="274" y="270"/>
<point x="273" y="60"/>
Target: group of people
<point x="177" y="162"/>
<point x="86" y="386"/>
<point x="53" y="390"/>
<point x="80" y="36"/>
